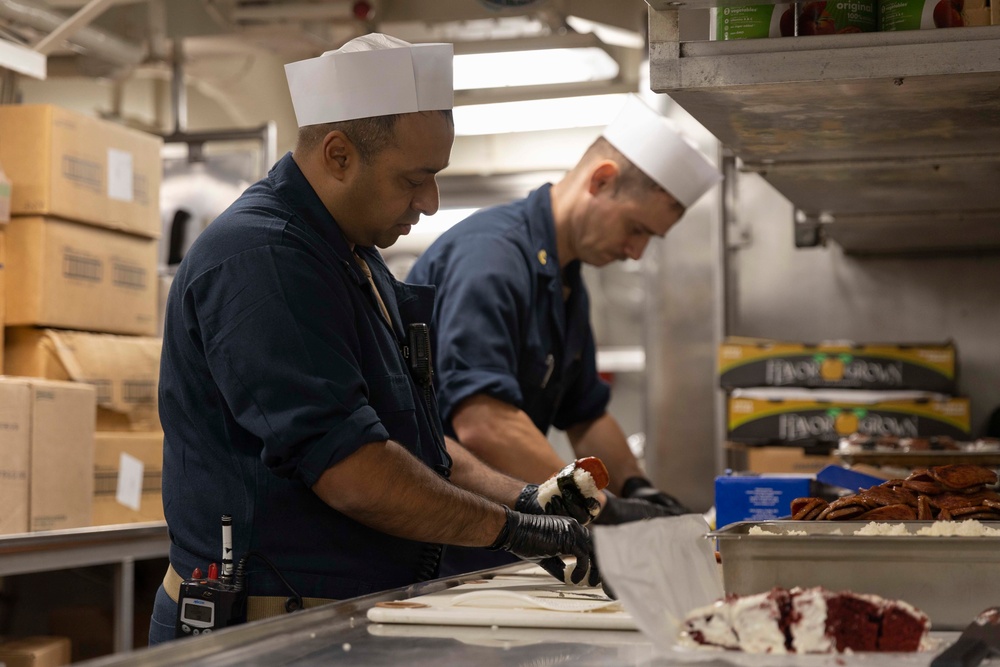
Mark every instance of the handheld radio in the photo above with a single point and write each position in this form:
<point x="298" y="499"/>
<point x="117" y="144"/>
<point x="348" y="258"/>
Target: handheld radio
<point x="209" y="603"/>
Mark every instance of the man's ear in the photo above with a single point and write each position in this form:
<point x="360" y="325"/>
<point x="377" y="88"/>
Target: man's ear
<point x="603" y="175"/>
<point x="339" y="154"/>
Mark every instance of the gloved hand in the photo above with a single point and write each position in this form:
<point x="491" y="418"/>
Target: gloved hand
<point x="575" y="506"/>
<point x="542" y="538"/>
<point x="640" y="488"/>
<point x="625" y="510"/>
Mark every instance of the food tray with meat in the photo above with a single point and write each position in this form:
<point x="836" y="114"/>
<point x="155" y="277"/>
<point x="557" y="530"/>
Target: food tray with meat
<point x="945" y="493"/>
<point x="951" y="577"/>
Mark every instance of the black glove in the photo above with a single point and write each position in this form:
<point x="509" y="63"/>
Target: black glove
<point x="640" y="488"/>
<point x="539" y="538"/>
<point x="577" y="507"/>
<point x="625" y="510"/>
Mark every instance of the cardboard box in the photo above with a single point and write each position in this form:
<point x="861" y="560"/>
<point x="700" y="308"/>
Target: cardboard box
<point x="128" y="472"/>
<point x="15" y="454"/>
<point x="62" y="448"/>
<point x="973" y="16"/>
<point x="758" y="362"/>
<point x="73" y="166"/>
<point x="68" y="275"/>
<point x="803" y="421"/>
<point x="46" y="440"/>
<point x="125" y="370"/>
<point x="778" y="459"/>
<point x="38" y="651"/>
<point x="757" y="498"/>
<point x="3" y="289"/>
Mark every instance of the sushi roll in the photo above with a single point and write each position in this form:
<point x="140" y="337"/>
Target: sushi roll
<point x="577" y="484"/>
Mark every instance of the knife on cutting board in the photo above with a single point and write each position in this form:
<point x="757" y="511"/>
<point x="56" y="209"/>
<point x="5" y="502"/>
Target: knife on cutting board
<point x="978" y="641"/>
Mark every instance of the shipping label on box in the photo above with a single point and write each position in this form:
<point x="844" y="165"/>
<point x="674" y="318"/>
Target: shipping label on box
<point x="68" y="275"/>
<point x="124" y="370"/>
<point x="793" y="421"/>
<point x="753" y="498"/>
<point x="749" y="362"/>
<point x="15" y="454"/>
<point x="128" y="472"/>
<point x="70" y="165"/>
<point x="62" y="446"/>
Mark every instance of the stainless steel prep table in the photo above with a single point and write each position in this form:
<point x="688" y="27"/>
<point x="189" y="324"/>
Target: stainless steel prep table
<point x="340" y="634"/>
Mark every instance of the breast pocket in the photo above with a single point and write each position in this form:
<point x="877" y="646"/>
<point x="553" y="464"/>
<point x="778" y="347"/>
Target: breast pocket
<point x="541" y="389"/>
<point x="391" y="397"/>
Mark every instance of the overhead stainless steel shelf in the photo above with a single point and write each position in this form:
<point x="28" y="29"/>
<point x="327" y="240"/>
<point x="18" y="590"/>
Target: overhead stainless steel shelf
<point x="896" y="126"/>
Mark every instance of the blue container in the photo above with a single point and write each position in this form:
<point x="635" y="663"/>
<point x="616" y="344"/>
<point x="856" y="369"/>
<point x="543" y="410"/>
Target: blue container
<point x="758" y="497"/>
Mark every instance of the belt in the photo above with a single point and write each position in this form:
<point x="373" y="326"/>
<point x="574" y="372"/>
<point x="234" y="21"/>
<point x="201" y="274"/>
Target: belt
<point x="258" y="606"/>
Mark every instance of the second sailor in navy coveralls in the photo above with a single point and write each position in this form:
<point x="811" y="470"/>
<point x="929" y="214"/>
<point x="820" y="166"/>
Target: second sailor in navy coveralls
<point x="514" y="351"/>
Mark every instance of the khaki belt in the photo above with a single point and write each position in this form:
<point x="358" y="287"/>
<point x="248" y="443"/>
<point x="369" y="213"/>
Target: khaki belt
<point x="258" y="606"/>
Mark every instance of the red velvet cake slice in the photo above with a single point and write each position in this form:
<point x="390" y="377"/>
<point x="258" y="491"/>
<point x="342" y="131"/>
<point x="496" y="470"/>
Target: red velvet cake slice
<point x="810" y="620"/>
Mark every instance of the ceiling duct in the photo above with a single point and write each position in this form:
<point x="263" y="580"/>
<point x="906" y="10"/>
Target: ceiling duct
<point x="95" y="42"/>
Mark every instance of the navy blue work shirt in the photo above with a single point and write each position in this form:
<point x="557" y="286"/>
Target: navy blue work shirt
<point x="277" y="364"/>
<point x="502" y="328"/>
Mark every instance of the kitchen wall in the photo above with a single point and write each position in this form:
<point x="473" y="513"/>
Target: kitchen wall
<point x="774" y="290"/>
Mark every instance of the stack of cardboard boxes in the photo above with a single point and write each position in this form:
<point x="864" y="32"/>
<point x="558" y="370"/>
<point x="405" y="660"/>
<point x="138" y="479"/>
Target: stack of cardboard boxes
<point x="788" y="404"/>
<point x="80" y="357"/>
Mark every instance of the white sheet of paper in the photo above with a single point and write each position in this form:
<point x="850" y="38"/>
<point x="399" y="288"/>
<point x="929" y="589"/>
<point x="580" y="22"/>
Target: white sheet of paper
<point x="660" y="569"/>
<point x="120" y="175"/>
<point x="130" y="472"/>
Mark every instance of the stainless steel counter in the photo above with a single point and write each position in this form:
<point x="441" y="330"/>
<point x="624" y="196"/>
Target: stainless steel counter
<point x="340" y="633"/>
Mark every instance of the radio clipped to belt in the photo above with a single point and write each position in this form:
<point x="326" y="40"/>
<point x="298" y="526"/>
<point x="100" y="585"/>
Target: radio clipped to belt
<point x="205" y="604"/>
<point x="209" y="603"/>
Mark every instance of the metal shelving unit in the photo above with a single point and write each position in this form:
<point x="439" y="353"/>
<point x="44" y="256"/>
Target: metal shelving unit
<point x="120" y="546"/>
<point x="878" y="139"/>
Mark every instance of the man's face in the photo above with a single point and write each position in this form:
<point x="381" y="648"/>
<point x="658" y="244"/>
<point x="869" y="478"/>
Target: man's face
<point x="390" y="193"/>
<point x="619" y="226"/>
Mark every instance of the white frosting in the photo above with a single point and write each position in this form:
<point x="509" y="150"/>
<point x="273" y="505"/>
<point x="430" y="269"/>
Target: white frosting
<point x="809" y="633"/>
<point x="967" y="528"/>
<point x="757" y="530"/>
<point x="755" y="622"/>
<point x="713" y="624"/>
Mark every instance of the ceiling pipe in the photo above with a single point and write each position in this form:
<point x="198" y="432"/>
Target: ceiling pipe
<point x="97" y="43"/>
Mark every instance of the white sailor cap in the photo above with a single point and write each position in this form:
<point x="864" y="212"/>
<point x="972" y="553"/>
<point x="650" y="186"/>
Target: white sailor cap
<point x="655" y="145"/>
<point x="373" y="75"/>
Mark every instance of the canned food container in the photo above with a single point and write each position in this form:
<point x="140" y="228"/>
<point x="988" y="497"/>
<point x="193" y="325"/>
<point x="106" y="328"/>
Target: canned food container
<point x="753" y="21"/>
<point x="950" y="578"/>
<point x="928" y="14"/>
<point x="837" y="17"/>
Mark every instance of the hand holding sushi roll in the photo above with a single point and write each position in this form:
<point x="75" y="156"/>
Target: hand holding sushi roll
<point x="574" y="491"/>
<point x="543" y="539"/>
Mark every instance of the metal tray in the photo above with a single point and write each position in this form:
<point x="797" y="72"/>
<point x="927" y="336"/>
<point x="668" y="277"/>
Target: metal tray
<point x="913" y="459"/>
<point x="951" y="579"/>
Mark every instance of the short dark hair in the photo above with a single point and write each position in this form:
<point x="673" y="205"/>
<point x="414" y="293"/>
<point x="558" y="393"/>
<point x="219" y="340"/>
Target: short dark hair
<point x="631" y="179"/>
<point x="369" y="135"/>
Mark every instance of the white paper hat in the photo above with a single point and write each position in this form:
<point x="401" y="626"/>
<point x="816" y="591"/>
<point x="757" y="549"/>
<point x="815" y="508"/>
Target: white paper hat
<point x="653" y="144"/>
<point x="373" y="75"/>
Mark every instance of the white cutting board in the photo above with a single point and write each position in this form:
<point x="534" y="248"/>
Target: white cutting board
<point x="528" y="599"/>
